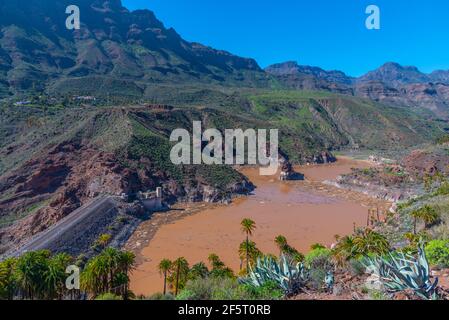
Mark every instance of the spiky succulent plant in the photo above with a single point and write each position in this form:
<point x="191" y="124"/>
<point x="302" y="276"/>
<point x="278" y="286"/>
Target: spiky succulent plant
<point x="403" y="272"/>
<point x="289" y="276"/>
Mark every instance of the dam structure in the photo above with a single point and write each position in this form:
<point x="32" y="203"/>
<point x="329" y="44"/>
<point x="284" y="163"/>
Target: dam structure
<point x="151" y="201"/>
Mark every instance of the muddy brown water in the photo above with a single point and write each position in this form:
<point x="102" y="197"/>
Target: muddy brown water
<point x="306" y="212"/>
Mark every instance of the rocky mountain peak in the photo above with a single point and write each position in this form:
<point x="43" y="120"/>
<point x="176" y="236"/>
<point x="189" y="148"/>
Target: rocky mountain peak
<point x="394" y="74"/>
<point x="284" y="68"/>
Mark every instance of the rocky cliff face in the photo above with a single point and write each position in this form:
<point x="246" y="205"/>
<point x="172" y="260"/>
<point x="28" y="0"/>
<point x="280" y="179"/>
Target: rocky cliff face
<point x="433" y="97"/>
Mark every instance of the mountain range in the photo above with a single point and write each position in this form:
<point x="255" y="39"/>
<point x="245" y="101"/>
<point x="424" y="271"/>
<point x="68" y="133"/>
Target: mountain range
<point x="57" y="153"/>
<point x="391" y="84"/>
<point x="130" y="53"/>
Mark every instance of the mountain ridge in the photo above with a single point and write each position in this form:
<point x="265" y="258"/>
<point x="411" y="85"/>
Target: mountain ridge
<point x="389" y="73"/>
<point x="37" y="52"/>
<point x="131" y="54"/>
<point x="391" y="84"/>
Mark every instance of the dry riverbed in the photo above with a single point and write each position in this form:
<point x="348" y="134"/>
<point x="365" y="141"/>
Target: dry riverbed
<point x="306" y="212"/>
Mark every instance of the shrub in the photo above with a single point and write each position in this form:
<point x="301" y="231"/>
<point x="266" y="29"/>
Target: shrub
<point x="103" y="240"/>
<point x="317" y="246"/>
<point x="443" y="139"/>
<point x="317" y="257"/>
<point x="228" y="289"/>
<point x="317" y="277"/>
<point x="319" y="263"/>
<point x="161" y="296"/>
<point x="437" y="252"/>
<point x="198" y="289"/>
<point x="212" y="289"/>
<point x="185" y="295"/>
<point x="108" y="296"/>
<point x="269" y="291"/>
<point x="443" y="190"/>
<point x="356" y="267"/>
<point x="377" y="295"/>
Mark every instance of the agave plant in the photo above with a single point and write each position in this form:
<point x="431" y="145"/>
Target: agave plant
<point x="401" y="272"/>
<point x="289" y="276"/>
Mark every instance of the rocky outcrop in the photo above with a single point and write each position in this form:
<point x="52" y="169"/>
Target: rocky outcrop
<point x="209" y="194"/>
<point x="387" y="183"/>
<point x="288" y="173"/>
<point x="427" y="162"/>
<point x="324" y="157"/>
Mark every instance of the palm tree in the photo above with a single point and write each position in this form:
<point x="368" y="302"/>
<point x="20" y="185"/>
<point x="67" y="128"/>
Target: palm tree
<point x="109" y="271"/>
<point x="250" y="250"/>
<point x="94" y="278"/>
<point x="370" y="241"/>
<point x="248" y="227"/>
<point x="198" y="271"/>
<point x="427" y="214"/>
<point x="8" y="281"/>
<point x="215" y="261"/>
<point x="55" y="275"/>
<point x="126" y="264"/>
<point x="343" y="250"/>
<point x="219" y="268"/>
<point x="286" y="249"/>
<point x="293" y="253"/>
<point x="31" y="270"/>
<point x="281" y="242"/>
<point x="164" y="267"/>
<point x="181" y="267"/>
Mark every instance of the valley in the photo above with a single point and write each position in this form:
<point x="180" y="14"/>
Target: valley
<point x="86" y="135"/>
<point x="306" y="212"/>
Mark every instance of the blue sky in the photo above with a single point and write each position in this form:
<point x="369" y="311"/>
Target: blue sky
<point x="326" y="33"/>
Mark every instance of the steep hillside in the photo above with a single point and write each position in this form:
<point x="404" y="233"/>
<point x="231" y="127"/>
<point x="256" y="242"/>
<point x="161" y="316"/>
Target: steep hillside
<point x="121" y="49"/>
<point x="55" y="159"/>
<point x="51" y="172"/>
<point x="332" y="120"/>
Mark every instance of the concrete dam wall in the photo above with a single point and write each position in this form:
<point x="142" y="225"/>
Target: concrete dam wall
<point x="76" y="232"/>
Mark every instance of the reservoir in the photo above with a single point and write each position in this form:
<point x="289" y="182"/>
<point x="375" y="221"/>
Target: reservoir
<point x="306" y="212"/>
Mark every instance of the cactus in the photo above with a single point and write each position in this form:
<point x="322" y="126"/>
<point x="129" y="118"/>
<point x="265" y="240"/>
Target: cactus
<point x="289" y="276"/>
<point x="401" y="272"/>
